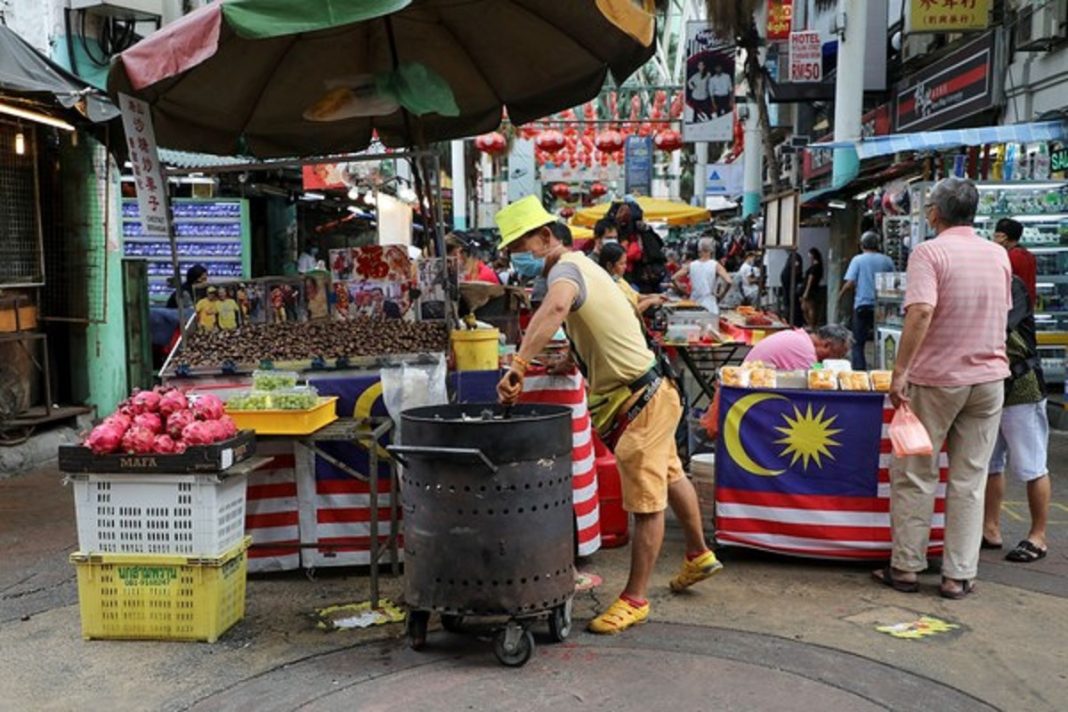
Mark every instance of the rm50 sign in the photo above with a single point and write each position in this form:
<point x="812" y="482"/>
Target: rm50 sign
<point x="806" y="57"/>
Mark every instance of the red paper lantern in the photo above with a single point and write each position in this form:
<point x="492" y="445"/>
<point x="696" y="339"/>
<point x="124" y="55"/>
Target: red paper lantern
<point x="567" y="212"/>
<point x="609" y="141"/>
<point x="561" y="190"/>
<point x="493" y="143"/>
<point x="597" y="190"/>
<point x="668" y="140"/>
<point x="550" y="141"/>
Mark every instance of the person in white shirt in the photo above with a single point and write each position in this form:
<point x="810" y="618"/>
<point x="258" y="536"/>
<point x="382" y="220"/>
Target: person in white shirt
<point x="698" y="89"/>
<point x="721" y="89"/>
<point x="308" y="259"/>
<point x="750" y="278"/>
<point x="709" y="280"/>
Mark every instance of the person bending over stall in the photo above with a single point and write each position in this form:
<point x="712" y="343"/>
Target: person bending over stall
<point x="642" y="406"/>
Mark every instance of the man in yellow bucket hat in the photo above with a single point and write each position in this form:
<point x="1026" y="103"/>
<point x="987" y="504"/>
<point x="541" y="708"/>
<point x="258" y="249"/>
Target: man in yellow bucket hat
<point x="643" y="405"/>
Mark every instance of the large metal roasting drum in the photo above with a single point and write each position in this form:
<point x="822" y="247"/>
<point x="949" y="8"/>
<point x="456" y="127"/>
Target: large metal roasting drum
<point x="488" y="519"/>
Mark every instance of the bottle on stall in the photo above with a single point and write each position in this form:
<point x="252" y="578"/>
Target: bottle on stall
<point x="1041" y="163"/>
<point x="1008" y="171"/>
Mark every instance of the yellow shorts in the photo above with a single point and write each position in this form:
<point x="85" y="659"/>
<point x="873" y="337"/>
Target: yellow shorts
<point x="646" y="455"/>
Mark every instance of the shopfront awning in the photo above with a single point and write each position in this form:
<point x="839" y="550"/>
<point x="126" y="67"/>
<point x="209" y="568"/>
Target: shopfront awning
<point x="932" y="140"/>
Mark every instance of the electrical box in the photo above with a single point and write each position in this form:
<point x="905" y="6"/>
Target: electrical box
<point x="136" y="10"/>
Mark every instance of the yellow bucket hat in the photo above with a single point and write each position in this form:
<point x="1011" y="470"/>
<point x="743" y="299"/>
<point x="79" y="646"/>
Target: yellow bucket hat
<point x="521" y="217"/>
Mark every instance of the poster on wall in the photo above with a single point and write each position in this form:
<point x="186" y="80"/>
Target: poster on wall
<point x="709" y="86"/>
<point x="638" y="165"/>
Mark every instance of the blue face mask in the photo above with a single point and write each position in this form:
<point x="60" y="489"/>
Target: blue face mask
<point x="527" y="265"/>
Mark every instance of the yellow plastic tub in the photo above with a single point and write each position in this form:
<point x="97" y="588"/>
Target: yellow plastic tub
<point x="476" y="349"/>
<point x="161" y="596"/>
<point x="287" y="422"/>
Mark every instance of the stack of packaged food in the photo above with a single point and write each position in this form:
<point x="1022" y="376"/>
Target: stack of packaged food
<point x="759" y="375"/>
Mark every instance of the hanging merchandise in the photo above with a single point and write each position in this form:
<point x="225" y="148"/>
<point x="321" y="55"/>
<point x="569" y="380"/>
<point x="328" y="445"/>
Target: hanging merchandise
<point x="567" y="212"/>
<point x="668" y="140"/>
<point x="609" y="141"/>
<point x="597" y="190"/>
<point x="550" y="141"/>
<point x="561" y="191"/>
<point x="493" y="143"/>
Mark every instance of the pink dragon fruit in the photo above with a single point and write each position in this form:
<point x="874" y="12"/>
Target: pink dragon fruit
<point x="208" y="407"/>
<point x="177" y="421"/>
<point x="105" y="438"/>
<point x="229" y="427"/>
<point x="120" y="421"/>
<point x="145" y="402"/>
<point x="138" y="440"/>
<point x="198" y="433"/>
<point x="163" y="444"/>
<point x="171" y="402"/>
<point x="179" y="447"/>
<point x="149" y="421"/>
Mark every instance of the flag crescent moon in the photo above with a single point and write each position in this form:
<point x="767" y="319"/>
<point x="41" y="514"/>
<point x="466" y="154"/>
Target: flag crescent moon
<point x="732" y="426"/>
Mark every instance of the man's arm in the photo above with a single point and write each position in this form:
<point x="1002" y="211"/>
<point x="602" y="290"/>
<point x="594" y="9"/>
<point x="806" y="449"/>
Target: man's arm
<point x="548" y="318"/>
<point x="846" y="286"/>
<point x="917" y="322"/>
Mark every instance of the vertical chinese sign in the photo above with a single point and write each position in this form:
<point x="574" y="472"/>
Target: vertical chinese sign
<point x="780" y="19"/>
<point x="144" y="160"/>
<point x="948" y="15"/>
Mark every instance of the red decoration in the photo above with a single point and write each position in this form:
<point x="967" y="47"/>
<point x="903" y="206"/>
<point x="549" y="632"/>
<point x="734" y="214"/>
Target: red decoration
<point x="668" y="140"/>
<point x="550" y="141"/>
<point x="561" y="190"/>
<point x="567" y="212"/>
<point x="609" y="141"/>
<point x="597" y="190"/>
<point x="493" y="143"/>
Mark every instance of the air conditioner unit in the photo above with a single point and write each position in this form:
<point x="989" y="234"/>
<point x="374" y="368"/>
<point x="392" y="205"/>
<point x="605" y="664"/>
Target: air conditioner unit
<point x="1039" y="27"/>
<point x="136" y="10"/>
<point x="915" y="46"/>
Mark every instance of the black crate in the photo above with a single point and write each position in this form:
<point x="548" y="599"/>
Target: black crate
<point x="199" y="458"/>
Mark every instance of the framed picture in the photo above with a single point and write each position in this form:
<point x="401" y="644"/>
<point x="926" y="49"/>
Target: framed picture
<point x="341" y="264"/>
<point x="285" y="301"/>
<point x="317" y="294"/>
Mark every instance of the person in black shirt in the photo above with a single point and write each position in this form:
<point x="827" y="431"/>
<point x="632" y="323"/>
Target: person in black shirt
<point x="197" y="274"/>
<point x="812" y="295"/>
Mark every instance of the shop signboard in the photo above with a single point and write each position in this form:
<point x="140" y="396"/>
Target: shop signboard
<point x="780" y="19"/>
<point x="708" y="114"/>
<point x="144" y="161"/>
<point x="638" y="165"/>
<point x="724" y="179"/>
<point x="947" y="16"/>
<point x="957" y="86"/>
<point x="1058" y="160"/>
<point x="806" y="56"/>
<point x="874" y="123"/>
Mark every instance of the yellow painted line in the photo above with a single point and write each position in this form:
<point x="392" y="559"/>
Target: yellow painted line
<point x="1009" y="508"/>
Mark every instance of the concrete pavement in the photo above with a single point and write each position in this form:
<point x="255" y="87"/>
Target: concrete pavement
<point x="769" y="633"/>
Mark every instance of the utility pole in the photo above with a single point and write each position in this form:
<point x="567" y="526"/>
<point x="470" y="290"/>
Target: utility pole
<point x="752" y="161"/>
<point x="459" y="186"/>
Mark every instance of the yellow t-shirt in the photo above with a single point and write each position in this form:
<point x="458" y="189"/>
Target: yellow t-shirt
<point x="207" y="313"/>
<point x="604" y="328"/>
<point x="227" y="311"/>
<point x="628" y="292"/>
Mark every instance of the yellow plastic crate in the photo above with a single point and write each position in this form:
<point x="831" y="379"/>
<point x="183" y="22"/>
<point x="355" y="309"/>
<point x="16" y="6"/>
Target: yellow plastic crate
<point x="161" y="597"/>
<point x="287" y="422"/>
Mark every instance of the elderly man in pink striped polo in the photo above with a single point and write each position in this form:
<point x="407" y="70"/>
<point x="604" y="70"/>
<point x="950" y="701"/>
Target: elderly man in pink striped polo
<point x="951" y="367"/>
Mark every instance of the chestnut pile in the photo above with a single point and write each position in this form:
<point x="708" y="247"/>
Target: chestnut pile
<point x="329" y="340"/>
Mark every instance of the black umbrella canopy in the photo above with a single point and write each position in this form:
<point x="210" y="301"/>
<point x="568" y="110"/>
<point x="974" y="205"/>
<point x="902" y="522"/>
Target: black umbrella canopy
<point x="219" y="84"/>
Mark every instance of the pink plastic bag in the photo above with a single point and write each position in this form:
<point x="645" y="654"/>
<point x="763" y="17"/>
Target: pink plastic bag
<point x="907" y="434"/>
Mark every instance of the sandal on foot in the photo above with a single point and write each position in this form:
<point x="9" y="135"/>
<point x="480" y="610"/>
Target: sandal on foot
<point x="886" y="577"/>
<point x="989" y="544"/>
<point x="1026" y="552"/>
<point x="966" y="588"/>
<point x="619" y="616"/>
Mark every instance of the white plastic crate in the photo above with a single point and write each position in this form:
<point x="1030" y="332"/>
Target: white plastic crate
<point x="202" y="515"/>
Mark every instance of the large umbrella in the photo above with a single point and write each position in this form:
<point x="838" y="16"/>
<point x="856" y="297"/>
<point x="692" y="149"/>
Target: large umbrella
<point x="672" y="212"/>
<point x="281" y="78"/>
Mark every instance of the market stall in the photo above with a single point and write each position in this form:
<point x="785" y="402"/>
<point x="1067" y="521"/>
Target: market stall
<point x="806" y="471"/>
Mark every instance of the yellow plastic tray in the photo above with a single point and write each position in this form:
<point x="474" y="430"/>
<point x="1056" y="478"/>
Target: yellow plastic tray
<point x="287" y="422"/>
<point x="161" y="596"/>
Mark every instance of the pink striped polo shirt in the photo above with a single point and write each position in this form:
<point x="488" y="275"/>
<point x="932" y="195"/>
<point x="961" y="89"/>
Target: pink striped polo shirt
<point x="968" y="281"/>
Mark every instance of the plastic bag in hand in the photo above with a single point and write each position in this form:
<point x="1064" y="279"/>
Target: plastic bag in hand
<point x="907" y="434"/>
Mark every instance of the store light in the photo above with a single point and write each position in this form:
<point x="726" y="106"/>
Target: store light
<point x="313" y="196"/>
<point x="354" y="193"/>
<point x="1023" y="185"/>
<point x="369" y="199"/>
<point x="20" y="144"/>
<point x="837" y="204"/>
<point x="35" y="116"/>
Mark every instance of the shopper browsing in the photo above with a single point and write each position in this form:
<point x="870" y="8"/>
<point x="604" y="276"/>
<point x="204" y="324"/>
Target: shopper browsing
<point x="860" y="278"/>
<point x="709" y="280"/>
<point x="613" y="259"/>
<point x="950" y="369"/>
<point x="643" y="406"/>
<point x="749" y="273"/>
<point x="797" y="349"/>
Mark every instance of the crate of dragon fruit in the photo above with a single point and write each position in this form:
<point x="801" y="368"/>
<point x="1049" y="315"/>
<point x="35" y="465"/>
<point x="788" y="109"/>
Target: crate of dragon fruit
<point x="161" y="431"/>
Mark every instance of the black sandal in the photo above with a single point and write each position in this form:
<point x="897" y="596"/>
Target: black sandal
<point x="988" y="544"/>
<point x="886" y="577"/>
<point x="1026" y="552"/>
<point x="966" y="588"/>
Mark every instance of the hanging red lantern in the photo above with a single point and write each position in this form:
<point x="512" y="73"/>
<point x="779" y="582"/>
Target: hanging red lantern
<point x="597" y="190"/>
<point x="550" y="141"/>
<point x="493" y="143"/>
<point x="668" y="140"/>
<point x="567" y="212"/>
<point x="561" y="190"/>
<point x="609" y="141"/>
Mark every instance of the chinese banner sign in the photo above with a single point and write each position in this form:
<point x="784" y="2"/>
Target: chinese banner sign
<point x="948" y="15"/>
<point x="780" y="19"/>
<point x="144" y="160"/>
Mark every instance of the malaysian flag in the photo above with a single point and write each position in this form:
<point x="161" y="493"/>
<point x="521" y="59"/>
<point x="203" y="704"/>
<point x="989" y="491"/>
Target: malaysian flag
<point x="808" y="473"/>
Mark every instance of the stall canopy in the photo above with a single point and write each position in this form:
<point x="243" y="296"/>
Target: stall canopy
<point x="28" y="75"/>
<point x="933" y="140"/>
<point x="285" y="79"/>
<point x="653" y="210"/>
